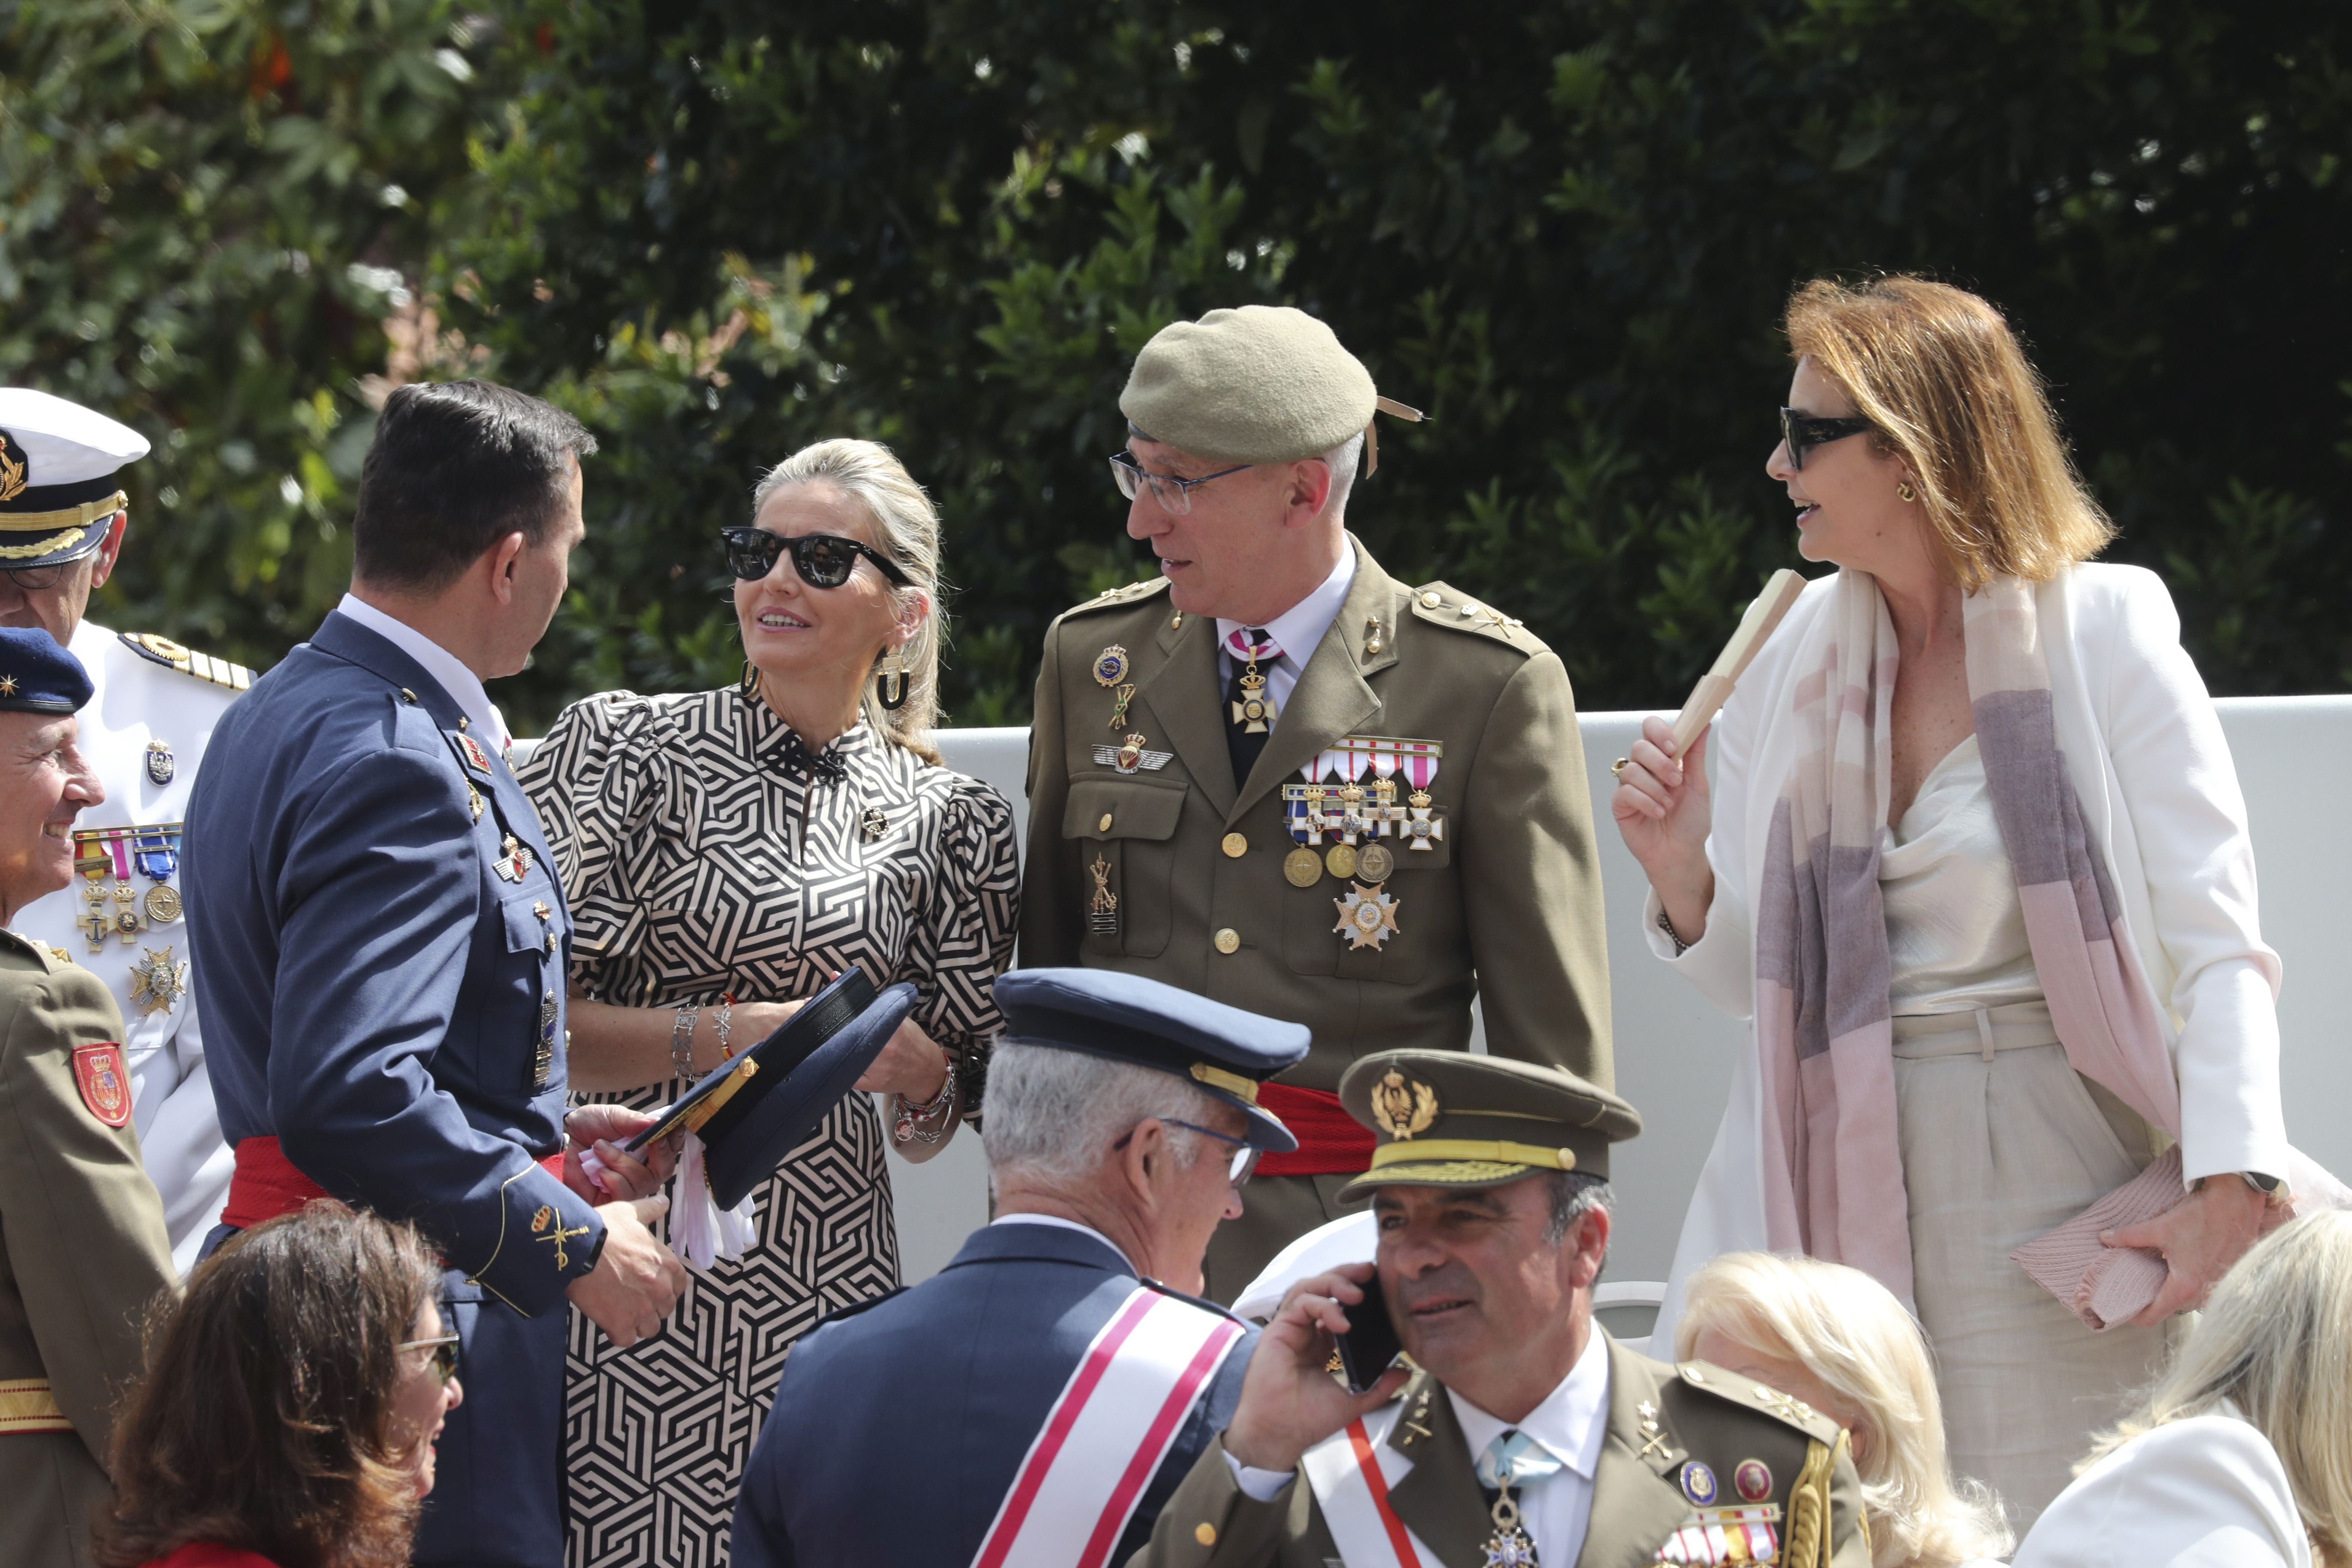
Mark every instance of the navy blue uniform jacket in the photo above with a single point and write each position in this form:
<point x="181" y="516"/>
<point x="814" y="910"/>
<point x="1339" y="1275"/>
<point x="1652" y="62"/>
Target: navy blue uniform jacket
<point x="386" y="1003"/>
<point x="899" y="1427"/>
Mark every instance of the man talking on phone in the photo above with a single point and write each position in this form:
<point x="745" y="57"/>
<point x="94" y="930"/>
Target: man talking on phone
<point x="1062" y="1367"/>
<point x="1520" y="1435"/>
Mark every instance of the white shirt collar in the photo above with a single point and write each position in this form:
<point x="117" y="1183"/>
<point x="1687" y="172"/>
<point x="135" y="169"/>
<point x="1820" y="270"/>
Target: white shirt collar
<point x="1300" y="629"/>
<point x="465" y="689"/>
<point x="1571" y="1422"/>
<point x="1069" y="1224"/>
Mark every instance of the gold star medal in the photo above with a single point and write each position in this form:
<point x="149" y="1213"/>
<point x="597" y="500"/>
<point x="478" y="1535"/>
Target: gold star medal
<point x="1366" y="916"/>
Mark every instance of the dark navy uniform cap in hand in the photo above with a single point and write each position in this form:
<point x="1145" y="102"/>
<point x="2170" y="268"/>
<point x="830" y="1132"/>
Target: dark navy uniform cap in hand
<point x="1221" y="1049"/>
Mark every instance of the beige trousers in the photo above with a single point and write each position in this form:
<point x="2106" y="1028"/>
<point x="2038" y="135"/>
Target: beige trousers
<point x="2001" y="1141"/>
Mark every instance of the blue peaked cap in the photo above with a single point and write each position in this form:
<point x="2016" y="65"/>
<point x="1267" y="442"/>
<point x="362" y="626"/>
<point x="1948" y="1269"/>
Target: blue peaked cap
<point x="1222" y="1050"/>
<point x="36" y="675"/>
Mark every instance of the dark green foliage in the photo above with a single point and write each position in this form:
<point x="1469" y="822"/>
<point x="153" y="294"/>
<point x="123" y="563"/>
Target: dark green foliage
<point x="720" y="230"/>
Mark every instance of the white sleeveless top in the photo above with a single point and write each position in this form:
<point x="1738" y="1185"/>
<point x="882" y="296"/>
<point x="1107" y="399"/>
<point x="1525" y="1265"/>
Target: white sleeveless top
<point x="1955" y="932"/>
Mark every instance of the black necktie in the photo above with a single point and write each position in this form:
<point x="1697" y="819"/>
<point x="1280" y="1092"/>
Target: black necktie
<point x="1249" y="707"/>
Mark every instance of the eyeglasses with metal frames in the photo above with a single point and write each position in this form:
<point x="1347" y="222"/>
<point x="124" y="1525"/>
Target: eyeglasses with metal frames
<point x="822" y="560"/>
<point x="1174" y="495"/>
<point x="1804" y="431"/>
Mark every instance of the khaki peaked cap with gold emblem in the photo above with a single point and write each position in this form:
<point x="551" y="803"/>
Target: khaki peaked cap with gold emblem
<point x="1448" y="1119"/>
<point x="1260" y="383"/>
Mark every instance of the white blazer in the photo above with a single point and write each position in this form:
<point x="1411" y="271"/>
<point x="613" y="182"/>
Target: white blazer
<point x="2206" y="1493"/>
<point x="2145" y="750"/>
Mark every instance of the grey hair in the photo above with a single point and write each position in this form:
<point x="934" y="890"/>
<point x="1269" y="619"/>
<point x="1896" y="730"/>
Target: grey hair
<point x="1055" y="1114"/>
<point x="907" y="529"/>
<point x="1346" y="460"/>
<point x="1574" y="1194"/>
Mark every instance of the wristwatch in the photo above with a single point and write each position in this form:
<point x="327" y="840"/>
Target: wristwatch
<point x="2266" y="1185"/>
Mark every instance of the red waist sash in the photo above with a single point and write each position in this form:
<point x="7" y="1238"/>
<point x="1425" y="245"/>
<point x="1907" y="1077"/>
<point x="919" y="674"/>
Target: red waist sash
<point x="1330" y="1141"/>
<point x="267" y="1183"/>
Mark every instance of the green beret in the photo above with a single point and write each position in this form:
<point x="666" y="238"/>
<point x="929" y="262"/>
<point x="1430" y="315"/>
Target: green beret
<point x="1449" y="1119"/>
<point x="1262" y="384"/>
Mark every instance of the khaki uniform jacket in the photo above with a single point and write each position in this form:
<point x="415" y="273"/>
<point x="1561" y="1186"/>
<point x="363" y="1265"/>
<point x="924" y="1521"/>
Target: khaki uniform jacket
<point x="1509" y="905"/>
<point x="82" y="1253"/>
<point x="1661" y="1418"/>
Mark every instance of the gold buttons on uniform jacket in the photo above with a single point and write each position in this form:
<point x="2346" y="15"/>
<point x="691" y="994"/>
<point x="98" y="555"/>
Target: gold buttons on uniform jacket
<point x="1229" y="940"/>
<point x="1205" y="1533"/>
<point x="1235" y="846"/>
<point x="1103" y="826"/>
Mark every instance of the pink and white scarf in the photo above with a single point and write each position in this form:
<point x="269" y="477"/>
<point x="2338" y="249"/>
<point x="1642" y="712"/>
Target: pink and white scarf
<point x="1832" y="1173"/>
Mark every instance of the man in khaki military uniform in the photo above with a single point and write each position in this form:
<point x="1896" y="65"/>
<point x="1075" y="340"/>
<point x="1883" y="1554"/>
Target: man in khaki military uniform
<point x="1276" y="776"/>
<point x="82" y="1245"/>
<point x="1520" y="1435"/>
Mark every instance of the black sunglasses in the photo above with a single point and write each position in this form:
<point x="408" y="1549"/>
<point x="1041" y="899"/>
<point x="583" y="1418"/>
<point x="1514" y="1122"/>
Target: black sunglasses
<point x="1802" y="431"/>
<point x="822" y="560"/>
<point x="444" y="1355"/>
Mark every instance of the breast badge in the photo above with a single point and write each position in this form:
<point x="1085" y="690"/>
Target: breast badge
<point x="1110" y="667"/>
<point x="1752" y="1480"/>
<point x="1131" y="757"/>
<point x="1102" y="909"/>
<point x="514" y="861"/>
<point x="158" y="980"/>
<point x="116" y="908"/>
<point x="1698" y="1484"/>
<point x="161" y="767"/>
<point x="104" y="1081"/>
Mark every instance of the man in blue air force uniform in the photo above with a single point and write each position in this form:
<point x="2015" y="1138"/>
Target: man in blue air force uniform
<point x="381" y="965"/>
<point x="1065" y="1381"/>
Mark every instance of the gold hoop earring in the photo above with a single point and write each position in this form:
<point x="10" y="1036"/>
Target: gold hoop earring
<point x="891" y="691"/>
<point x="1903" y="490"/>
<point x="749" y="684"/>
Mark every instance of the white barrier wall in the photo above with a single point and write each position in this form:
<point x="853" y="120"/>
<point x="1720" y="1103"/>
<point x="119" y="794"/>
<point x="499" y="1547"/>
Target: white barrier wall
<point x="1674" y="1051"/>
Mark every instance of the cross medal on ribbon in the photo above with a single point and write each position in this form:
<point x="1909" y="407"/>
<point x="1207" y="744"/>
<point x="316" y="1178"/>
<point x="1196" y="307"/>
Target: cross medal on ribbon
<point x="1512" y="1457"/>
<point x="1254" y="710"/>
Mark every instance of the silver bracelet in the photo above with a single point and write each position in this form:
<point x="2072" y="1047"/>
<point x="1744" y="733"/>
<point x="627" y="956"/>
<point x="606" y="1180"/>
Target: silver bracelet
<point x="681" y="1040"/>
<point x="1673" y="935"/>
<point x="724" y="1021"/>
<point x="907" y="1127"/>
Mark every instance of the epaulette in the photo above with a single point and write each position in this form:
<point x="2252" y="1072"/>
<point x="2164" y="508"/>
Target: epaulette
<point x="1748" y="1394"/>
<point x="1443" y="605"/>
<point x="163" y="650"/>
<point x="1132" y="592"/>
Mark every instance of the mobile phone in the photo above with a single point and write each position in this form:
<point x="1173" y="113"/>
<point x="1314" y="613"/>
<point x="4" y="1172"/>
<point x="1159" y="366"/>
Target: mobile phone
<point x="1370" y="1343"/>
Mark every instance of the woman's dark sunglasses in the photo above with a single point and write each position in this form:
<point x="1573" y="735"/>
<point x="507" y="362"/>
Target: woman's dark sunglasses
<point x="1802" y="431"/>
<point x="822" y="560"/>
<point x="444" y="1355"/>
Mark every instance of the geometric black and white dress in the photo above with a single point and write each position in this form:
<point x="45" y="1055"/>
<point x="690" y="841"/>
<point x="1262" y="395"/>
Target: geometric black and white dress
<point x="704" y="850"/>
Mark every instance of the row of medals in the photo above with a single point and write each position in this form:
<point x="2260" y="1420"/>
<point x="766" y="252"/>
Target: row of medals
<point x="158" y="980"/>
<point x="1367" y="913"/>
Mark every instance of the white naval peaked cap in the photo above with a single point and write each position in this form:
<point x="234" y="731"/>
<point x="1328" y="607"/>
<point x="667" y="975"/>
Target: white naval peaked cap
<point x="62" y="443"/>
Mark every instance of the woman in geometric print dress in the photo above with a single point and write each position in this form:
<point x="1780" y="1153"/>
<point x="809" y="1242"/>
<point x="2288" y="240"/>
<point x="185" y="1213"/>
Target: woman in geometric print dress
<point x="756" y="841"/>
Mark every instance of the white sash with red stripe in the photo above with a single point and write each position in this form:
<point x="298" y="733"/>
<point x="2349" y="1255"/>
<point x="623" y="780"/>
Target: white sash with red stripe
<point x="1352" y="1473"/>
<point x="1104" y="1439"/>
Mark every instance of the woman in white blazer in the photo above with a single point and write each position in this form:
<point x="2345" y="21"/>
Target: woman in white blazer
<point x="2242" y="1456"/>
<point x="1927" y="467"/>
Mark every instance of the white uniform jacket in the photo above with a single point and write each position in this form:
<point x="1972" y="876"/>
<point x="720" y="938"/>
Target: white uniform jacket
<point x="2207" y="1492"/>
<point x="2146" y="753"/>
<point x="138" y="700"/>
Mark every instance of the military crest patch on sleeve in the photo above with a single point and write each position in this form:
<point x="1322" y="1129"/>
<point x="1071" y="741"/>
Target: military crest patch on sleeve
<point x="104" y="1081"/>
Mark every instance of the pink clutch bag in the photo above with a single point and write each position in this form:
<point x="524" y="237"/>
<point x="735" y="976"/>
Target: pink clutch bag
<point x="2104" y="1286"/>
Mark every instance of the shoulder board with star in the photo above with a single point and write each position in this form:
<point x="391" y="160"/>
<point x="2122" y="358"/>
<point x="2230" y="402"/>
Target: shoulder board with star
<point x="1131" y="594"/>
<point x="1443" y="605"/>
<point x="158" y="649"/>
<point x="1748" y="1394"/>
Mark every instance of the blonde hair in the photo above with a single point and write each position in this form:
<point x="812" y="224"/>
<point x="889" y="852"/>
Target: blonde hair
<point x="1850" y="1331"/>
<point x="1940" y="374"/>
<point x="2275" y="1340"/>
<point x="907" y="529"/>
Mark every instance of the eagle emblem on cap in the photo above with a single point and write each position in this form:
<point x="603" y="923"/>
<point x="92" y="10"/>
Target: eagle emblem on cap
<point x="12" y="470"/>
<point x="1402" y="1106"/>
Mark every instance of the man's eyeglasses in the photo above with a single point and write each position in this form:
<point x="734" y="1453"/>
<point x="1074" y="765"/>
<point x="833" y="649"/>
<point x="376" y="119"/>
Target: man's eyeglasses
<point x="40" y="579"/>
<point x="1246" y="1153"/>
<point x="1174" y="495"/>
<point x="444" y="1355"/>
<point x="1802" y="431"/>
<point x="822" y="560"/>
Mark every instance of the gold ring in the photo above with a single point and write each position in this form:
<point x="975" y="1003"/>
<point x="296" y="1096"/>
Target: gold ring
<point x="1617" y="769"/>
